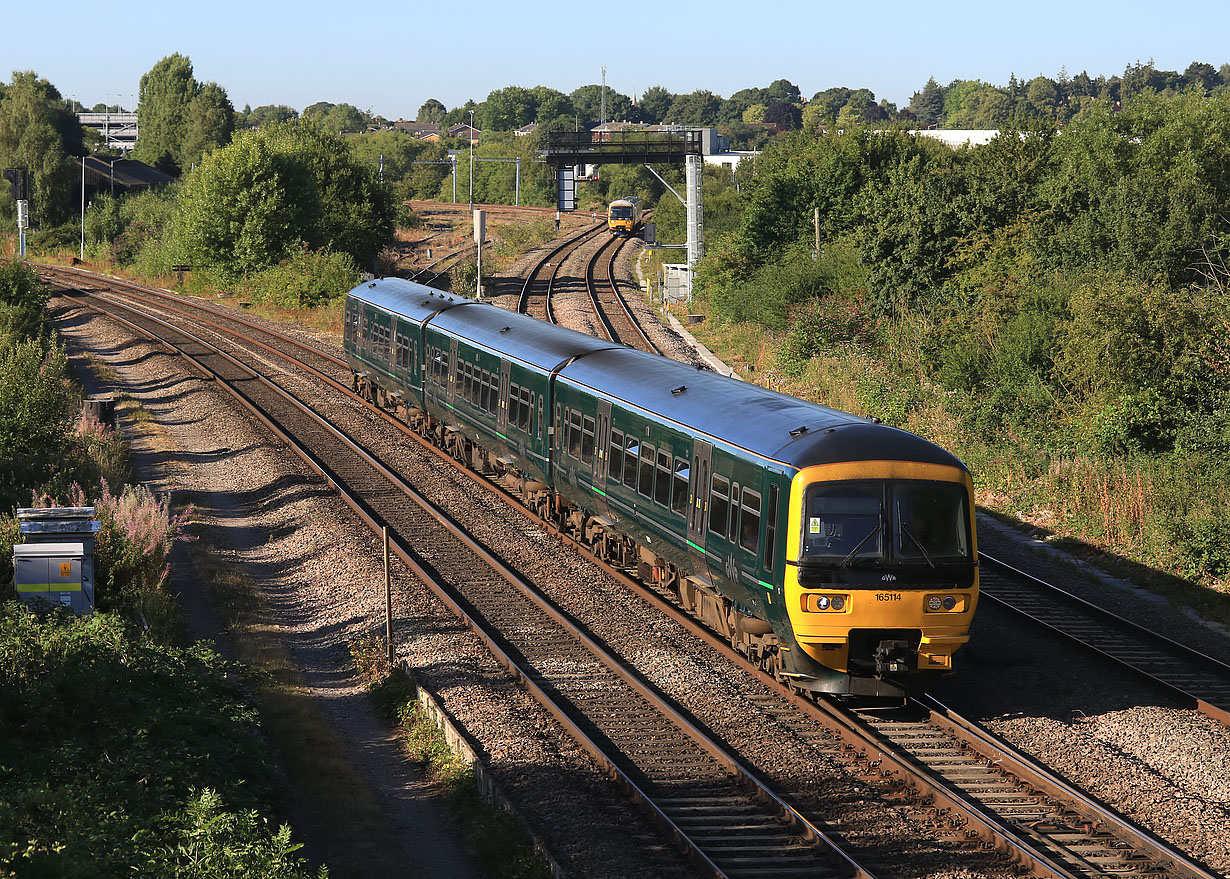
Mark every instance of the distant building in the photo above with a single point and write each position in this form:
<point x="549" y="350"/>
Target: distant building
<point x="464" y="131"/>
<point x="119" y="130"/>
<point x="959" y="137"/>
<point x="421" y="130"/>
<point x="109" y="176"/>
<point x="526" y="129"/>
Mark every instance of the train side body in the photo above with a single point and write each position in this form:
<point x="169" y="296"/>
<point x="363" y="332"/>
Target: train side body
<point x="798" y="528"/>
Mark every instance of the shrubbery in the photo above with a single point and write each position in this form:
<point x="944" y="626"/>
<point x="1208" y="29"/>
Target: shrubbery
<point x="306" y="279"/>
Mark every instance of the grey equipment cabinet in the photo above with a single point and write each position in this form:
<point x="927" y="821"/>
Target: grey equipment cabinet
<point x="55" y="564"/>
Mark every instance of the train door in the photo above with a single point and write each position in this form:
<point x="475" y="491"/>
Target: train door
<point x="698" y="506"/>
<point x="452" y="371"/>
<point x="501" y="416"/>
<point x="602" y="446"/>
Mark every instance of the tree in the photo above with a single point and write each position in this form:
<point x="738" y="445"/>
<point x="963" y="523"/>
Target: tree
<point x="828" y="103"/>
<point x="928" y="104"/>
<point x="166" y="91"/>
<point x="210" y="123"/>
<point x="587" y="100"/>
<point x="179" y="118"/>
<point x="39" y="133"/>
<point x="551" y="104"/>
<point x="1042" y="97"/>
<point x="506" y="109"/>
<point x="431" y="111"/>
<point x="247" y="205"/>
<point x="655" y="103"/>
<point x="785" y="115"/>
<point x="270" y="113"/>
<point x="754" y="115"/>
<point x="698" y="108"/>
<point x="783" y="90"/>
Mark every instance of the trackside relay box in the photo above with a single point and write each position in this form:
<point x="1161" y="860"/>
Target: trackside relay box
<point x="55" y="564"/>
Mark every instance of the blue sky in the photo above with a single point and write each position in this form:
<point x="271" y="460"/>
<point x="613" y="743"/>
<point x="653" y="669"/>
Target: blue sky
<point x="390" y="58"/>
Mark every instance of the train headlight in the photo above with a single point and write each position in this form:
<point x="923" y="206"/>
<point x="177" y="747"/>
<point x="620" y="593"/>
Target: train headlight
<point x="945" y="603"/>
<point x="816" y="603"/>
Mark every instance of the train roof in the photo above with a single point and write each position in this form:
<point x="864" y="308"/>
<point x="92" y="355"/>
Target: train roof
<point x="415" y="302"/>
<point x="535" y="343"/>
<point x="772" y="425"/>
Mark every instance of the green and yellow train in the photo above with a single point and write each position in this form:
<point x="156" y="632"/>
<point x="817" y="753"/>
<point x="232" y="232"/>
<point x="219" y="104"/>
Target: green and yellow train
<point x="837" y="552"/>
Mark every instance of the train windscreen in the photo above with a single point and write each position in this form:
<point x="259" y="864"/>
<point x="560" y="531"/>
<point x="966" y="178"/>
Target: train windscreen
<point x="886" y="522"/>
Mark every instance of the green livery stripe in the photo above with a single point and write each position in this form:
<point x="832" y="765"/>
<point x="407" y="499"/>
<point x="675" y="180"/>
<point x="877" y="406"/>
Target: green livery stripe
<point x="597" y="490"/>
<point x="695" y="547"/>
<point x="449" y="405"/>
<point x="768" y="586"/>
<point x="501" y="436"/>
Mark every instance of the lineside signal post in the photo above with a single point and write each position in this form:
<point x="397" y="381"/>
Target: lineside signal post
<point x="480" y="232"/>
<point x="19" y="185"/>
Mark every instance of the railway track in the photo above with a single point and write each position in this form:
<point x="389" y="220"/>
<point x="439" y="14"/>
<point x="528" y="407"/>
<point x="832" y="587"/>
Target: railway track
<point x="914" y="759"/>
<point x="727" y="821"/>
<point x="539" y="304"/>
<point x="1191" y="675"/>
<point x="618" y="322"/>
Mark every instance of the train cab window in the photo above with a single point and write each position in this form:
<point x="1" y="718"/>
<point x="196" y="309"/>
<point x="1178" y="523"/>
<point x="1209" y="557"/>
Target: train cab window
<point x="615" y="461"/>
<point x="719" y="505"/>
<point x="930" y="522"/>
<point x="770" y="531"/>
<point x="843" y="522"/>
<point x="632" y="450"/>
<point x="679" y="493"/>
<point x="749" y="520"/>
<point x="662" y="488"/>
<point x="587" y="441"/>
<point x="645" y="485"/>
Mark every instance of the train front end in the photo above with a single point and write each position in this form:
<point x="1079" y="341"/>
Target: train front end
<point x="883" y="578"/>
<point x="621" y="217"/>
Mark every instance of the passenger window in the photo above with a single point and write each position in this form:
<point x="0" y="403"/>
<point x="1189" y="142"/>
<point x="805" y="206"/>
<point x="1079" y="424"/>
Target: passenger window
<point x="587" y="441"/>
<point x="679" y="498"/>
<point x="403" y="351"/>
<point x="616" y="460"/>
<point x="719" y="505"/>
<point x="632" y="448"/>
<point x="527" y="410"/>
<point x="493" y="391"/>
<point x="662" y="488"/>
<point x="514" y="404"/>
<point x="484" y="386"/>
<point x="749" y="520"/>
<point x="646" y="482"/>
<point x="770" y="531"/>
<point x="574" y="433"/>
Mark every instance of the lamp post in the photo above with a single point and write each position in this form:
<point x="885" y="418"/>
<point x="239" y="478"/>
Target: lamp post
<point x="471" y="160"/>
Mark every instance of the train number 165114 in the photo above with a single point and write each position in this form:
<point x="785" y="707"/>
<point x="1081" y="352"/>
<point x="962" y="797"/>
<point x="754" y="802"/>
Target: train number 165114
<point x="888" y="596"/>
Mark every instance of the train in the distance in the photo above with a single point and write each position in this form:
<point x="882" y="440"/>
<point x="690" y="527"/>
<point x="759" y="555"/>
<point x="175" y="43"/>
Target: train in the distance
<point x="624" y="216"/>
<point x="837" y="552"/>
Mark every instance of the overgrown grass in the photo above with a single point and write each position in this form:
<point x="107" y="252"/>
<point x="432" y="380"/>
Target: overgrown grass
<point x="494" y="835"/>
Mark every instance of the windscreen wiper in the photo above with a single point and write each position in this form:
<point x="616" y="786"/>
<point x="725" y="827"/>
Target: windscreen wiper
<point x="849" y="558"/>
<point x="908" y="533"/>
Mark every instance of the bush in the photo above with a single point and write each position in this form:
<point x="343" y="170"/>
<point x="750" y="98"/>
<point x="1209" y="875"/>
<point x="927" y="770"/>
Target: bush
<point x="119" y="756"/>
<point x="34" y="400"/>
<point x="306" y="279"/>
